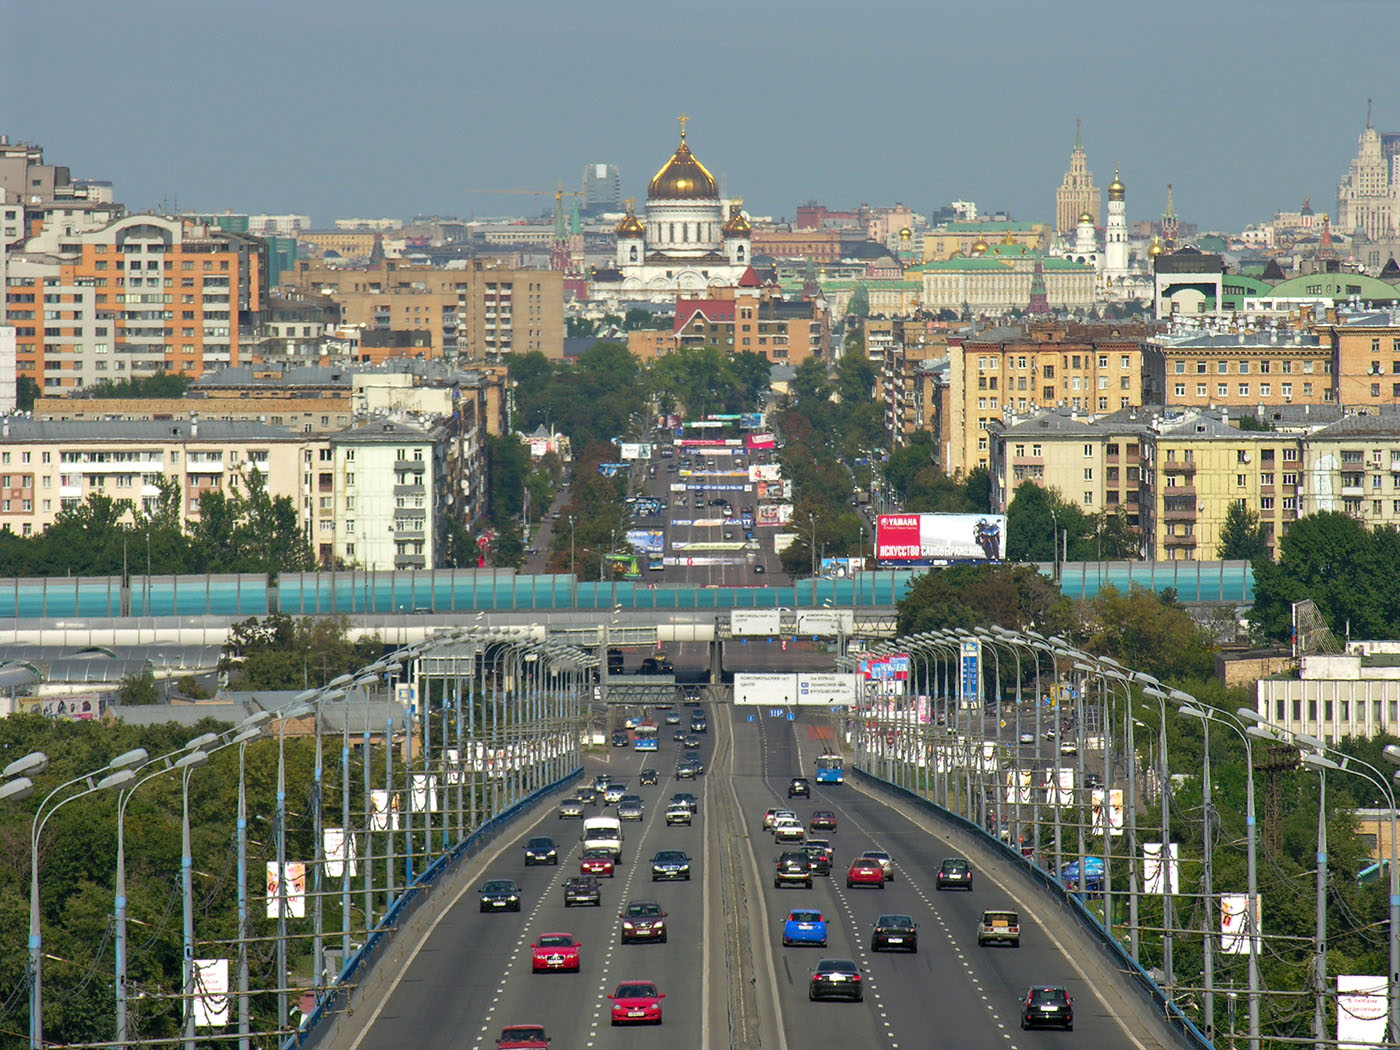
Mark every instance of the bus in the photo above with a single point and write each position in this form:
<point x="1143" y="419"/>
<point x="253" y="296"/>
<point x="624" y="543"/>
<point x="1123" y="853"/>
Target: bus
<point x="645" y="736"/>
<point x="831" y="769"/>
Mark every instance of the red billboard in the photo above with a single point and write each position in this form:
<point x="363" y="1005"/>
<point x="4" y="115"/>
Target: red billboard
<point x="897" y="537"/>
<point x="940" y="538"/>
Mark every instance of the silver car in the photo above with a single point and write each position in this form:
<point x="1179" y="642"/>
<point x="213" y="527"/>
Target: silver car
<point x="571" y="807"/>
<point x="886" y="861"/>
<point x="630" y="809"/>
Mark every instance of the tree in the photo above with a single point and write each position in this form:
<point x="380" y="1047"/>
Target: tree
<point x="26" y="390"/>
<point x="138" y="689"/>
<point x="280" y="652"/>
<point x="1014" y="596"/>
<point x="507" y="467"/>
<point x="1147" y="632"/>
<point x="1242" y="536"/>
<point x="162" y="384"/>
<point x="1031" y="521"/>
<point x="859" y="304"/>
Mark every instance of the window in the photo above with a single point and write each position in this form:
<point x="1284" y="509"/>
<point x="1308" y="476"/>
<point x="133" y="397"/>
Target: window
<point x="1088" y="498"/>
<point x="1200" y="390"/>
<point x="1088" y="451"/>
<point x="1241" y="480"/>
<point x="1266" y="503"/>
<point x="1088" y="473"/>
<point x="1223" y="367"/>
<point x="1181" y="368"/>
<point x="1244" y="368"/>
<point x="1265" y="389"/>
<point x="1179" y="390"/>
<point x="1222" y="389"/>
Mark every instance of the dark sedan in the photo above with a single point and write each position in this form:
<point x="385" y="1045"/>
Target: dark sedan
<point x="500" y="895"/>
<point x="836" y="979"/>
<point x="1047" y="1005"/>
<point x="541" y="851"/>
<point x="894" y="933"/>
<point x="583" y="889"/>
<point x="670" y="864"/>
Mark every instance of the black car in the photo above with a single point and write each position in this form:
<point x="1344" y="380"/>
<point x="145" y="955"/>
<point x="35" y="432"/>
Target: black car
<point x="954" y="873"/>
<point x="894" y="932"/>
<point x="582" y="889"/>
<point x="621" y="738"/>
<point x="698" y="723"/>
<point x="648" y="777"/>
<point x="500" y="895"/>
<point x="691" y="743"/>
<point x="818" y="859"/>
<point x="836" y="979"/>
<point x="758" y="568"/>
<point x="673" y="718"/>
<point x="793" y="868"/>
<point x="689" y="799"/>
<point x="1047" y="1005"/>
<point x="686" y="771"/>
<point x="799" y="787"/>
<point x="541" y="851"/>
<point x="670" y="864"/>
<point x="691" y="763"/>
<point x="680" y="736"/>
<point x="643" y="921"/>
<point x="587" y="795"/>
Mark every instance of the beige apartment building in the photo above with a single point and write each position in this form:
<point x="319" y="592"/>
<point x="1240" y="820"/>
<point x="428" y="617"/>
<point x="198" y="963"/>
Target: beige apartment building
<point x="1092" y="369"/>
<point x="1367" y="357"/>
<point x="904" y="353"/>
<point x="309" y="414"/>
<point x="1353" y="466"/>
<point x="477" y="313"/>
<point x="1244" y="370"/>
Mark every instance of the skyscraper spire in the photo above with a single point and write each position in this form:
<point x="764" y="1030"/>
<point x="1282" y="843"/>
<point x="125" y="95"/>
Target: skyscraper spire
<point x="1078" y="138"/>
<point x="1369" y="124"/>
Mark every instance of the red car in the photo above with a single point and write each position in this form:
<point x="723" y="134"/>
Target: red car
<point x="597" y="862"/>
<point x="556" y="951"/>
<point x="823" y="820"/>
<point x="866" y="871"/>
<point x="523" y="1037"/>
<point x="636" y="1002"/>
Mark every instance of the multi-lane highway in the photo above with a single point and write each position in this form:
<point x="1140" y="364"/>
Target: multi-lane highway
<point x="473" y="975"/>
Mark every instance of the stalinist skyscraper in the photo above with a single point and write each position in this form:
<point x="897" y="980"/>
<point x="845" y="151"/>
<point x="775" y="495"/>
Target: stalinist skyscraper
<point x="1077" y="194"/>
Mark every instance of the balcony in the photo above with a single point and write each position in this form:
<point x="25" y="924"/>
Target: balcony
<point x="1179" y="513"/>
<point x="1178" y="541"/>
<point x="414" y="465"/>
<point x="409" y="490"/>
<point x="408" y="534"/>
<point x="1184" y="467"/>
<point x="410" y="561"/>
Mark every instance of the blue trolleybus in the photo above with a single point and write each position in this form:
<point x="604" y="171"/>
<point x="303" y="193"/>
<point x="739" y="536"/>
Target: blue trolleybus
<point x="830" y="769"/>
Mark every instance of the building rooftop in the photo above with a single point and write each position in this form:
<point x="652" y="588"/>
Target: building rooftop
<point x="272" y="376"/>
<point x="14" y="430"/>
<point x="376" y="431"/>
<point x="1383" y="421"/>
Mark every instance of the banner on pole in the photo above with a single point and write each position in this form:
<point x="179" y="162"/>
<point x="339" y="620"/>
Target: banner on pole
<point x="1115" y="811"/>
<point x="295" y="891"/>
<point x="211" y="998"/>
<point x="1023" y="795"/>
<point x="337" y="848"/>
<point x="1234" y="936"/>
<point x="1159" y="878"/>
<point x="384" y="812"/>
<point x="423" y="793"/>
<point x="1361" y="1011"/>
<point x="454" y="767"/>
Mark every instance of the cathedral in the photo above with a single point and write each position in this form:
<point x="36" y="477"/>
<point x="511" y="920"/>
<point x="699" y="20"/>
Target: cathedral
<point x="688" y="238"/>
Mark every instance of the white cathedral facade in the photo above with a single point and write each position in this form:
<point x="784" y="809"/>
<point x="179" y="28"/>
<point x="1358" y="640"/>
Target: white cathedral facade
<point x="687" y="240"/>
<point x="1114" y="280"/>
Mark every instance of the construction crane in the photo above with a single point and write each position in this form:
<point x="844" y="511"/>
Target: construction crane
<point x="561" y="259"/>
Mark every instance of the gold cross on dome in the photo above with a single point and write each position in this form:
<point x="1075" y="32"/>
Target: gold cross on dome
<point x="631" y="203"/>
<point x="684" y="121"/>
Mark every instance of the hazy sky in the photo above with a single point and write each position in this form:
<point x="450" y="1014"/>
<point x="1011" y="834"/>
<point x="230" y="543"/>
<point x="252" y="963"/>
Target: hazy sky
<point x="372" y="108"/>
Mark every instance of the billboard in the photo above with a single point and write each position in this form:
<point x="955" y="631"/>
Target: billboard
<point x="766" y="472"/>
<point x="760" y="441"/>
<point x="1153" y="870"/>
<point x="1115" y="811"/>
<point x="1234" y="938"/>
<point x="335" y="847"/>
<point x="763" y="622"/>
<point x="831" y="623"/>
<point x="771" y="489"/>
<point x="636" y="449"/>
<point x="970" y="674"/>
<point x="211" y="999"/>
<point x="1361" y="1011"/>
<point x="647" y="541"/>
<point x="295" y="891"/>
<point x="774" y="514"/>
<point x="750" y="420"/>
<point x="903" y="538"/>
<point x="384" y="811"/>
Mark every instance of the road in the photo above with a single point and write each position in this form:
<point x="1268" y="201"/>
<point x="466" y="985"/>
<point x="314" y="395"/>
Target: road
<point x="473" y="974"/>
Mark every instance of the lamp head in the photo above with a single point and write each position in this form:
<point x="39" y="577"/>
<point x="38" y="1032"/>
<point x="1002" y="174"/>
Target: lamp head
<point x="1248" y="714"/>
<point x="1318" y="762"/>
<point x="1191" y="712"/>
<point x="191" y="760"/>
<point x="31" y="765"/>
<point x="1391" y="753"/>
<point x="120" y="779"/>
<point x="203" y="740"/>
<point x="16" y="790"/>
<point x="340" y="680"/>
<point x="295" y="711"/>
<point x="257" y="718"/>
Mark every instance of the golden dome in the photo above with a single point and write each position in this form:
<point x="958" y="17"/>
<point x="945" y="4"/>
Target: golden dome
<point x="1116" y="187"/>
<point x="683" y="177"/>
<point x="1156" y="248"/>
<point x="1086" y="217"/>
<point x="981" y="246"/>
<point x="736" y="225"/>
<point x="905" y="233"/>
<point x="631" y="226"/>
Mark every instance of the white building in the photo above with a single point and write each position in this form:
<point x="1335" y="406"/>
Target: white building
<point x="1356" y="693"/>
<point x="387" y="487"/>
<point x="278" y="225"/>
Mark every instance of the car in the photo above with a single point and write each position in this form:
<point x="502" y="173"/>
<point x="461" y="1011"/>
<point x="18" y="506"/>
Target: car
<point x="835" y="979"/>
<point x="680" y="736"/>
<point x="772" y="816"/>
<point x="804" y="927"/>
<point x="649" y="777"/>
<point x="601" y="781"/>
<point x="597" y="861"/>
<point x="1049" y="734"/>
<point x="999" y="927"/>
<point x="630" y="809"/>
<point x="1027" y="738"/>
<point x="799" y="787"/>
<point x="621" y="738"/>
<point x="818" y="860"/>
<point x="571" y="807"/>
<point x="790" y="833"/>
<point x="1093" y="780"/>
<point x="670" y="864"/>
<point x="612" y="794"/>
<point x="692" y="743"/>
<point x="673" y="718"/>
<point x="792" y="869"/>
<point x="686" y="771"/>
<point x="582" y="889"/>
<point x="636" y="1002"/>
<point x="954" y="873"/>
<point x="541" y="850"/>
<point x="523" y="1037"/>
<point x="588" y="796"/>
<point x="822" y="845"/>
<point x="822" y="820"/>
<point x="500" y="895"/>
<point x="891" y="932"/>
<point x="678" y="813"/>
<point x="865" y="871"/>
<point x="886" y="861"/>
<point x="691" y="765"/>
<point x="1047" y="1005"/>
<point x="555" y="951"/>
<point x="1069" y="747"/>
<point x="689" y="799"/>
<point x="642" y="921"/>
<point x="758" y="569"/>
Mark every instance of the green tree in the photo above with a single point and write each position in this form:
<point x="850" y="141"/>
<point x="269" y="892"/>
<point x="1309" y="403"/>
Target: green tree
<point x="1147" y="632"/>
<point x="966" y="596"/>
<point x="26" y="390"/>
<point x="1031" y="523"/>
<point x="507" y="466"/>
<point x="1242" y="536"/>
<point x="282" y="652"/>
<point x="138" y="689"/>
<point x="162" y="384"/>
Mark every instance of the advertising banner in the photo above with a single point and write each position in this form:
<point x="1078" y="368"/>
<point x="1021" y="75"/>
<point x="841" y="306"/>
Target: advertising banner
<point x="750" y="420"/>
<point x="826" y="623"/>
<point x="707" y="442"/>
<point x="454" y="777"/>
<point x="610" y="470"/>
<point x="774" y="513"/>
<point x="902" y="538"/>
<point x="296" y="890"/>
<point x="1234" y="937"/>
<point x="636" y="450"/>
<point x="406" y="693"/>
<point x="384" y="814"/>
<point x="1115" y="811"/>
<point x="1361" y="1011"/>
<point x="211" y="998"/>
<point x="1025" y="792"/>
<point x="335" y="847"/>
<point x="1059" y="787"/>
<point x="422" y="792"/>
<point x="771" y="489"/>
<point x="765" y="472"/>
<point x="760" y="441"/>
<point x="826" y="689"/>
<point x="970" y="674"/>
<point x="762" y="622"/>
<point x="647" y="541"/>
<point x="1153" y="869"/>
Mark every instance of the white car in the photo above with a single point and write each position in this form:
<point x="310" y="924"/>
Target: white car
<point x="1027" y="738"/>
<point x="789" y="832"/>
<point x="1069" y="747"/>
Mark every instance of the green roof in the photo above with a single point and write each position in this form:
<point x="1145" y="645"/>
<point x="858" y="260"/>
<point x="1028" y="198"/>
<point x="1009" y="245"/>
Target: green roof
<point x="963" y="226"/>
<point x="1334" y="285"/>
<point x="986" y="262"/>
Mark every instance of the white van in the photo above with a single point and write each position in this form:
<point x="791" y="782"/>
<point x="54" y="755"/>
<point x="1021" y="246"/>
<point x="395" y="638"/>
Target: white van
<point x="603" y="833"/>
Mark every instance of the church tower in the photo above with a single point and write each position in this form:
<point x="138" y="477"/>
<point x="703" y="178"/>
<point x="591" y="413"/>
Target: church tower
<point x="1169" y="222"/>
<point x="738" y="235"/>
<point x="631" y="238"/>
<point x="1077" y="193"/>
<point x="1115" y="249"/>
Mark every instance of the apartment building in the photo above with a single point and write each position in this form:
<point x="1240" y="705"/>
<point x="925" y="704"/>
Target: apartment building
<point x="1244" y="371"/>
<point x="785" y="331"/>
<point x="1195" y="464"/>
<point x="902" y="352"/>
<point x="478" y="312"/>
<point x="1093" y="369"/>
<point x="300" y="413"/>
<point x="1353" y="466"/>
<point x="141" y="295"/>
<point x="1366" y="345"/>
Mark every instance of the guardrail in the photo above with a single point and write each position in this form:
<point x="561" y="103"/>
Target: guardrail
<point x="1050" y="886"/>
<point x="341" y="992"/>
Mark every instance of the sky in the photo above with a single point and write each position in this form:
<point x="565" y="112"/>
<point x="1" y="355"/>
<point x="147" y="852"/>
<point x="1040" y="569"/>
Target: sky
<point x="362" y="108"/>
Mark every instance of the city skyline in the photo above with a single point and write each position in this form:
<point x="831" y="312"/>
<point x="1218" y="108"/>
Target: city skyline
<point x="312" y="127"/>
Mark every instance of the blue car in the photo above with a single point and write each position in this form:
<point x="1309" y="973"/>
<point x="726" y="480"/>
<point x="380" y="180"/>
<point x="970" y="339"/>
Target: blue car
<point x="804" y="927"/>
